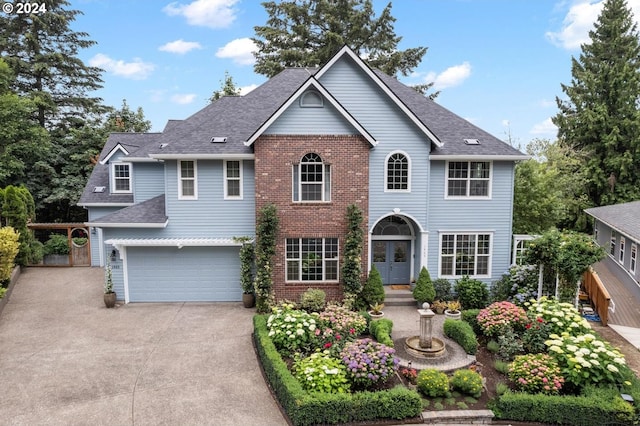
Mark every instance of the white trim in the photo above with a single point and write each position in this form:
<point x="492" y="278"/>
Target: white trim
<point x="125" y="272"/>
<point x="382" y="86"/>
<point x="173" y="242"/>
<point x="612" y="227"/>
<point x="116" y="148"/>
<point x="633" y="259"/>
<point x="466" y="232"/>
<point x="324" y="259"/>
<point x="306" y="105"/>
<point x="129" y="224"/>
<point x="316" y="84"/>
<point x="398" y="212"/>
<point x="386" y="172"/>
<point x="468" y="180"/>
<point x="203" y="156"/>
<point x="194" y="179"/>
<point x="104" y="205"/>
<point x="296" y="175"/>
<point x="226" y="180"/>
<point x="112" y="173"/>
<point x="424" y="245"/>
<point x="100" y="246"/>
<point x="142" y="160"/>
<point x="462" y="157"/>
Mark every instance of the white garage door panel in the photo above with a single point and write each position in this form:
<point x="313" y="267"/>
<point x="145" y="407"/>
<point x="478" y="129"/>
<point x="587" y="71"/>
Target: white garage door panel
<point x="189" y="274"/>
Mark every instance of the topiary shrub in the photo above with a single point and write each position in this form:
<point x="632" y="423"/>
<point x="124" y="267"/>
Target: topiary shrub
<point x="472" y="293"/>
<point x="442" y="286"/>
<point x="313" y="300"/>
<point x="373" y="290"/>
<point x="424" y="290"/>
<point x="433" y="383"/>
<point x="381" y="330"/>
<point x="462" y="333"/>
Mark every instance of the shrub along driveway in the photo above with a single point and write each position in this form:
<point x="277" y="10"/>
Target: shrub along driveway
<point x="66" y="359"/>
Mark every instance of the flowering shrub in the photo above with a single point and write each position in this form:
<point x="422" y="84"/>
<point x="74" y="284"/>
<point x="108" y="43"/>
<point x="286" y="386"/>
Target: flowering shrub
<point x="467" y="381"/>
<point x="319" y="372"/>
<point x="331" y="340"/>
<point x="560" y="316"/>
<point x="411" y="374"/>
<point x="534" y="336"/>
<point x="291" y="330"/>
<point x="499" y="316"/>
<point x="342" y="320"/>
<point x="536" y="373"/>
<point x="368" y="362"/>
<point x="585" y="359"/>
<point x="433" y="383"/>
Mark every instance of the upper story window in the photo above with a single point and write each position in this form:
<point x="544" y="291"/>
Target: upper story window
<point x="398" y="172"/>
<point x="612" y="244"/>
<point x="469" y="179"/>
<point x="187" y="180"/>
<point x="634" y="258"/>
<point x="311" y="99"/>
<point x="121" y="178"/>
<point x="312" y="179"/>
<point x="232" y="179"/>
<point x="465" y="254"/>
<point x="621" y="251"/>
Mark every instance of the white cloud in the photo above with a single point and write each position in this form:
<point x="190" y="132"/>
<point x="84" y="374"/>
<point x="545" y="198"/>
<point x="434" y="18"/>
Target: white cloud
<point x="545" y="127"/>
<point x="183" y="99"/>
<point x="180" y="46"/>
<point x="204" y="13"/>
<point x="239" y="50"/>
<point x="579" y="21"/>
<point x="246" y="89"/>
<point x="452" y="76"/>
<point x="505" y="123"/>
<point x="546" y="103"/>
<point x="135" y="70"/>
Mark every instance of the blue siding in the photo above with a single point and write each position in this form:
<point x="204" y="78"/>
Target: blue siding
<point x="148" y="181"/>
<point x="621" y="270"/>
<point x="96" y="213"/>
<point x="311" y="121"/>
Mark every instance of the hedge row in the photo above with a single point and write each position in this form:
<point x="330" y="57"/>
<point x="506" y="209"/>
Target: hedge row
<point x="462" y="333"/>
<point x="307" y="408"/>
<point x="595" y="407"/>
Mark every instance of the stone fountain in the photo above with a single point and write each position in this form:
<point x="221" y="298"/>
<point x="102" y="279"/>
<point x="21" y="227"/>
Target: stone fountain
<point x="425" y="346"/>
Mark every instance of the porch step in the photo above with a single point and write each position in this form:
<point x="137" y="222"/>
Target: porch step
<point x="459" y="417"/>
<point x="399" y="298"/>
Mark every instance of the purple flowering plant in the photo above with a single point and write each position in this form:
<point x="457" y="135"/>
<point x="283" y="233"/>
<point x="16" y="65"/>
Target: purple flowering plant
<point x="369" y="362"/>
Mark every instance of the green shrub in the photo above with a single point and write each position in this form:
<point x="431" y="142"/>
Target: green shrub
<point x="471" y="316"/>
<point x="381" y="331"/>
<point x="80" y="241"/>
<point x="510" y="345"/>
<point x="3" y="291"/>
<point x="424" y="290"/>
<point x="9" y="247"/>
<point x="433" y="383"/>
<point x="472" y="293"/>
<point x="500" y="365"/>
<point x="463" y="335"/>
<point x="467" y="382"/>
<point x="56" y="244"/>
<point x="319" y="372"/>
<point x="313" y="300"/>
<point x="442" y="286"/>
<point x="501" y="388"/>
<point x="493" y="346"/>
<point x="286" y="322"/>
<point x="373" y="290"/>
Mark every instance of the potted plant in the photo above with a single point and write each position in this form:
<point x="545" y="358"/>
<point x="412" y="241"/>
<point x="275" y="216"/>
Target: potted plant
<point x="246" y="275"/>
<point x="424" y="290"/>
<point x="453" y="310"/>
<point x="109" y="294"/>
<point x="376" y="311"/>
<point x="56" y="250"/>
<point x="439" y="306"/>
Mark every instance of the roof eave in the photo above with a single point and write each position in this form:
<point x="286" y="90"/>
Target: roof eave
<point x="128" y="225"/>
<point x="203" y="156"/>
<point x="488" y="157"/>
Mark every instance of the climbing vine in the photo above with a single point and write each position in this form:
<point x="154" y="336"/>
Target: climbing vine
<point x="247" y="253"/>
<point x="266" y="234"/>
<point x="352" y="259"/>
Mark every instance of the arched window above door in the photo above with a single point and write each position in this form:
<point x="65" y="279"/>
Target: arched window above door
<point x="392" y="225"/>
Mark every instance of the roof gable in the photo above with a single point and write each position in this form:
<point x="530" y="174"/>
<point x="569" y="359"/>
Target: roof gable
<point x="115" y="150"/>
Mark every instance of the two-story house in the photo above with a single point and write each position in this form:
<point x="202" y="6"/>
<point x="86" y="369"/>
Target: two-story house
<point x="435" y="190"/>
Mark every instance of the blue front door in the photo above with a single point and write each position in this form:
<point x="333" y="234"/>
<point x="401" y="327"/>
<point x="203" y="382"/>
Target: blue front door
<point x="392" y="261"/>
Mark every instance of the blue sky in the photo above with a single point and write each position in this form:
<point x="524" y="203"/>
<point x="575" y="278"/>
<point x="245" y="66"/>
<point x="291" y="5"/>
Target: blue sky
<point x="498" y="63"/>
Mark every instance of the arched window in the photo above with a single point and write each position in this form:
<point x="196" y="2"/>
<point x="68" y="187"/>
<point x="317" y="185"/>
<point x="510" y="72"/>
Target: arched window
<point x="311" y="179"/>
<point x="311" y="99"/>
<point x="397" y="172"/>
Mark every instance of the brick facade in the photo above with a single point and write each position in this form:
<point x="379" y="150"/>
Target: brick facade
<point x="348" y="156"/>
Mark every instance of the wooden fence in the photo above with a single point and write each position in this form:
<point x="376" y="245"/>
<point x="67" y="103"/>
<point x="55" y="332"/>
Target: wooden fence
<point x="597" y="293"/>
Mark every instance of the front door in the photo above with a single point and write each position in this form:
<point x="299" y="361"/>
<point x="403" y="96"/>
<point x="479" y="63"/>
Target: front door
<point x="392" y="261"/>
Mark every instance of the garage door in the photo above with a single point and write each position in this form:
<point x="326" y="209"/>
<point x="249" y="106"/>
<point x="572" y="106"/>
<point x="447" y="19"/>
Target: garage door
<point x="189" y="274"/>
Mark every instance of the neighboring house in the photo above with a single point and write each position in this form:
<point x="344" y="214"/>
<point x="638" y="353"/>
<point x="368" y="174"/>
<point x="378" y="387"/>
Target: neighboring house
<point x="617" y="229"/>
<point x="435" y="190"/>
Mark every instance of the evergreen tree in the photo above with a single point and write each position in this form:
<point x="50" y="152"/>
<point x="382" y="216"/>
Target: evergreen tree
<point x="600" y="120"/>
<point x="308" y="33"/>
<point x="227" y="88"/>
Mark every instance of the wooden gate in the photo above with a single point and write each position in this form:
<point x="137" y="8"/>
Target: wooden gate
<point x="78" y="243"/>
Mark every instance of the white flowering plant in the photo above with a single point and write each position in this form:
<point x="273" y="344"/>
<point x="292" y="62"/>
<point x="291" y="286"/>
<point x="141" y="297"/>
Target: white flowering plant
<point x="320" y="372"/>
<point x="585" y="359"/>
<point x="292" y="330"/>
<point x="560" y="316"/>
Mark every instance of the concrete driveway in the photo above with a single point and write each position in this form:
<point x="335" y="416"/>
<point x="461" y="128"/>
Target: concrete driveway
<point x="66" y="359"/>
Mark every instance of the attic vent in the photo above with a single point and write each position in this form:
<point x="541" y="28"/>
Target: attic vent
<point x="99" y="188"/>
<point x="218" y="139"/>
<point x="472" y="142"/>
<point x="163" y="145"/>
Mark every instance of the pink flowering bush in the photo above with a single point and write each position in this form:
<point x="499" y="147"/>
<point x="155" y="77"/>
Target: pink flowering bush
<point x="369" y="362"/>
<point x="500" y="316"/>
<point x="342" y="320"/>
<point x="332" y="340"/>
<point x="536" y="373"/>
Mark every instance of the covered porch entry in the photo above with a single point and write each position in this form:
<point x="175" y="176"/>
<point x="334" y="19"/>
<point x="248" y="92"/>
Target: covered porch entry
<point x="392" y="249"/>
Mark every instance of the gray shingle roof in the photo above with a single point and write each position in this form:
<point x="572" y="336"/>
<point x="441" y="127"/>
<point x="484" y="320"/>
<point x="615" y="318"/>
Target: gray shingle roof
<point x="151" y="211"/>
<point x="133" y="143"/>
<point x="623" y="217"/>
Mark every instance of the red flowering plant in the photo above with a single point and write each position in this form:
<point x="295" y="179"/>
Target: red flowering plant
<point x="331" y="340"/>
<point x="499" y="317"/>
<point x="535" y="334"/>
<point x="411" y="374"/>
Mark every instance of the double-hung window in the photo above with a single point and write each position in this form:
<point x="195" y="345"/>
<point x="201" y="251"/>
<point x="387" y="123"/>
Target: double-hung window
<point x="121" y="178"/>
<point x="612" y="244"/>
<point x="621" y="251"/>
<point x="187" y="180"/>
<point x="311" y="180"/>
<point x="397" y="172"/>
<point x="232" y="179"/>
<point x="634" y="258"/>
<point x="312" y="259"/>
<point x="468" y="179"/>
<point x="465" y="254"/>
